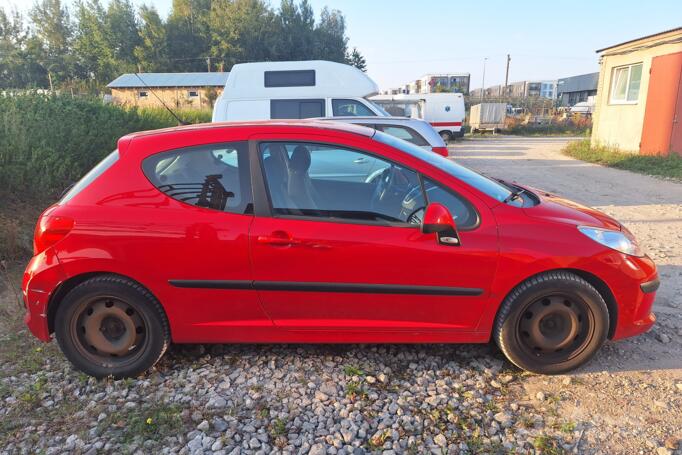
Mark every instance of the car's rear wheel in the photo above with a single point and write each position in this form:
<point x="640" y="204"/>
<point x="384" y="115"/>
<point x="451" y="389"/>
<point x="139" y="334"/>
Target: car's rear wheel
<point x="111" y="326"/>
<point x="552" y="323"/>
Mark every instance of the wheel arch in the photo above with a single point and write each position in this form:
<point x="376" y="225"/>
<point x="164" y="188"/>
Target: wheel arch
<point x="599" y="284"/>
<point x="65" y="287"/>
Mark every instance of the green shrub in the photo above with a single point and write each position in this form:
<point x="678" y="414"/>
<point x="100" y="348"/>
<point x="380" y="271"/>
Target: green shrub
<point x="48" y="142"/>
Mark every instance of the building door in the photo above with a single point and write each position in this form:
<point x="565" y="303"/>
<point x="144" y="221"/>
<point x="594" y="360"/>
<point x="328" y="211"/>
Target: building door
<point x="676" y="136"/>
<point x="661" y="131"/>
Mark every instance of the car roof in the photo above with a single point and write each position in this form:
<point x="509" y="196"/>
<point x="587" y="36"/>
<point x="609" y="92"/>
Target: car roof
<point x="261" y="124"/>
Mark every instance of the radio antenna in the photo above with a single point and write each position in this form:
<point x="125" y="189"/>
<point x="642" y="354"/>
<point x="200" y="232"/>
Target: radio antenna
<point x="180" y="122"/>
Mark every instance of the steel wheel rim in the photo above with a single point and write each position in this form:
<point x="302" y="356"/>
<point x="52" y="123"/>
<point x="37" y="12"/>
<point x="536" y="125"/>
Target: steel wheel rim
<point x="109" y="331"/>
<point x="555" y="328"/>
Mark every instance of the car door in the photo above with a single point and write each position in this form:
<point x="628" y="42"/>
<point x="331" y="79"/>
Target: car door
<point x="348" y="255"/>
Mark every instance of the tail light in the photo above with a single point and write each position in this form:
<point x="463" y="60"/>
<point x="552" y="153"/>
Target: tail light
<point x="442" y="151"/>
<point x="50" y="230"/>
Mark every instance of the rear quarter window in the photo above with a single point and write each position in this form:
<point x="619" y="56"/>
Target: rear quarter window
<point x="213" y="176"/>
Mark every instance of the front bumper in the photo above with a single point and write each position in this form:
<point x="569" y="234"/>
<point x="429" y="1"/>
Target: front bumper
<point x="42" y="277"/>
<point x="635" y="295"/>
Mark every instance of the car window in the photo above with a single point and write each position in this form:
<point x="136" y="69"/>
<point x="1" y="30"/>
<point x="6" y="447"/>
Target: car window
<point x="335" y="183"/>
<point x="462" y="211"/>
<point x="213" y="176"/>
<point x="293" y="109"/>
<point x="350" y="108"/>
<point x="404" y="133"/>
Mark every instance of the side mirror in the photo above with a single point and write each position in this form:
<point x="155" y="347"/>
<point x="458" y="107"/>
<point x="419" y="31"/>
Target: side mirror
<point x="438" y="220"/>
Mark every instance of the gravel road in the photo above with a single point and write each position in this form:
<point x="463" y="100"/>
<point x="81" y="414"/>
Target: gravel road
<point x="354" y="399"/>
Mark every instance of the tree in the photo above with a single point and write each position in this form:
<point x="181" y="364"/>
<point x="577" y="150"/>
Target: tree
<point x="356" y="59"/>
<point x="330" y="36"/>
<point x="241" y="31"/>
<point x="189" y="34"/>
<point x="96" y="60"/>
<point x="53" y="27"/>
<point x="152" y="51"/>
<point x="295" y="31"/>
<point x="122" y="32"/>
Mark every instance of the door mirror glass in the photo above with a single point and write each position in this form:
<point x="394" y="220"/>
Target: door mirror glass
<point x="438" y="220"/>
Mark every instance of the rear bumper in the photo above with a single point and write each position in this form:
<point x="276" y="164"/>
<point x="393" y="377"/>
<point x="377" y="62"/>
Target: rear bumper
<point x="42" y="276"/>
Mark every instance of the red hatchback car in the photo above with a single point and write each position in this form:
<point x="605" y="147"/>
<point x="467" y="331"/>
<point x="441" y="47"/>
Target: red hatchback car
<point x="315" y="232"/>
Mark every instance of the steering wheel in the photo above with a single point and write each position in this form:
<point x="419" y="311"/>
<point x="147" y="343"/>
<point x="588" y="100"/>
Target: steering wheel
<point x="384" y="183"/>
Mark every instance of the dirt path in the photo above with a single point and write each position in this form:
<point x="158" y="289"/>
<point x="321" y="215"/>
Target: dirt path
<point x="632" y="391"/>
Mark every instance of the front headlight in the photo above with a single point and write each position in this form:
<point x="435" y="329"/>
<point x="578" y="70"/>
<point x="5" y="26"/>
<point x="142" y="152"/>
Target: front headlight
<point x="616" y="240"/>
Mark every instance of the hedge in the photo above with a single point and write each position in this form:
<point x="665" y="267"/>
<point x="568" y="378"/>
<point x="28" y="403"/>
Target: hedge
<point x="48" y="142"/>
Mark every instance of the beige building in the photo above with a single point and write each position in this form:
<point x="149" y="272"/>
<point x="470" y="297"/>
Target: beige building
<point x="179" y="90"/>
<point x="639" y="95"/>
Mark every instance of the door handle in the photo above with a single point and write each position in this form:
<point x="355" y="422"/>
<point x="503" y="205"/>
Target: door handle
<point x="360" y="160"/>
<point x="278" y="238"/>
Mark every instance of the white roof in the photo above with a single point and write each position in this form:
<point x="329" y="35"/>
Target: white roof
<point x="247" y="81"/>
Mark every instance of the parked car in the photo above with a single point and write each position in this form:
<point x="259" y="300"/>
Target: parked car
<point x="413" y="130"/>
<point x="225" y="233"/>
<point x="295" y="90"/>
<point x="444" y="111"/>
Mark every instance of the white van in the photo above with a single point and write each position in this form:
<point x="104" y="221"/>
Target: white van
<point x="444" y="111"/>
<point x="293" y="90"/>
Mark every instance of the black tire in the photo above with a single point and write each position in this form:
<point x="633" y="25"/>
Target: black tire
<point x="552" y="323"/>
<point x="446" y="135"/>
<point x="111" y="326"/>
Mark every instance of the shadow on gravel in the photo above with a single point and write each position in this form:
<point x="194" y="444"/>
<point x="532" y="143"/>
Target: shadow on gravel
<point x="363" y="356"/>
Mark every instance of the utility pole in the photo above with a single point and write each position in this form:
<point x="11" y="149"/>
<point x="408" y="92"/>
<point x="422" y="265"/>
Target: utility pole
<point x="208" y="63"/>
<point x="506" y="75"/>
<point x="485" y="59"/>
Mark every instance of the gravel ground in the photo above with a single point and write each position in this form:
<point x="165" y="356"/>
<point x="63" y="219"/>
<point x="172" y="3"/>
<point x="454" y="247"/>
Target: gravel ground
<point x="379" y="399"/>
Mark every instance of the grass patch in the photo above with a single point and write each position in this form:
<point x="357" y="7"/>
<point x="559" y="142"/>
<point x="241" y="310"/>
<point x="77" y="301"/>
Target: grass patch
<point x="153" y="423"/>
<point x="664" y="166"/>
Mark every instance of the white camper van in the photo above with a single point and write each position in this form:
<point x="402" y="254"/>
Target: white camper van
<point x="444" y="111"/>
<point x="293" y="90"/>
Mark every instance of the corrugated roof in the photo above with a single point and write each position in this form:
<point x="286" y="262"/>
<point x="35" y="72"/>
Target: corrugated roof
<point x="637" y="39"/>
<point x="169" y="80"/>
<point x="579" y="83"/>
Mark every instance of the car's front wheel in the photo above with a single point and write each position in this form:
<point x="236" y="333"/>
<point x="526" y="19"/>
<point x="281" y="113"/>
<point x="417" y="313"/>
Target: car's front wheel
<point x="552" y="323"/>
<point x="111" y="326"/>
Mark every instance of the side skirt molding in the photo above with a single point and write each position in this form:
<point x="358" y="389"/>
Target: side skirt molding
<point x="355" y="288"/>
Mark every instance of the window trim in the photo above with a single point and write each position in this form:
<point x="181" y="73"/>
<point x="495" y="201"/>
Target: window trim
<point x="263" y="201"/>
<point x="189" y="93"/>
<point x="612" y="82"/>
<point x="248" y="174"/>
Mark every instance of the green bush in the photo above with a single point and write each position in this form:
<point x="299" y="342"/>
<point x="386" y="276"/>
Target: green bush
<point x="48" y="142"/>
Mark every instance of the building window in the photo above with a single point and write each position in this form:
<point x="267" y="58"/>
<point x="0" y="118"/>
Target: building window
<point x="142" y="94"/>
<point x="625" y="84"/>
<point x="192" y="93"/>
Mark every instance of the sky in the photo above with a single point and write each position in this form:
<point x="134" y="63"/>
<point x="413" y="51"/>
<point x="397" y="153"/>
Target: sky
<point x="403" y="40"/>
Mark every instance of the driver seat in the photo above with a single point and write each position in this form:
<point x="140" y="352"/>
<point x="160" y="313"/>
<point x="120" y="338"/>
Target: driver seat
<point x="299" y="186"/>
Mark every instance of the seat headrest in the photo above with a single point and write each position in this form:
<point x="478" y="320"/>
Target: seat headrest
<point x="300" y="159"/>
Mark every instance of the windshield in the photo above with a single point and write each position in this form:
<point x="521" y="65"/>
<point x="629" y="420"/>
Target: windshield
<point x="379" y="108"/>
<point x="478" y="181"/>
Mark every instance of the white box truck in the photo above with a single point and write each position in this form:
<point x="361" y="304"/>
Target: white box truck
<point x="444" y="111"/>
<point x="294" y="90"/>
<point x="487" y="117"/>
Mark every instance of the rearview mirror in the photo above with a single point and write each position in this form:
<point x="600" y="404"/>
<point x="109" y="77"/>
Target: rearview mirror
<point x="438" y="220"/>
